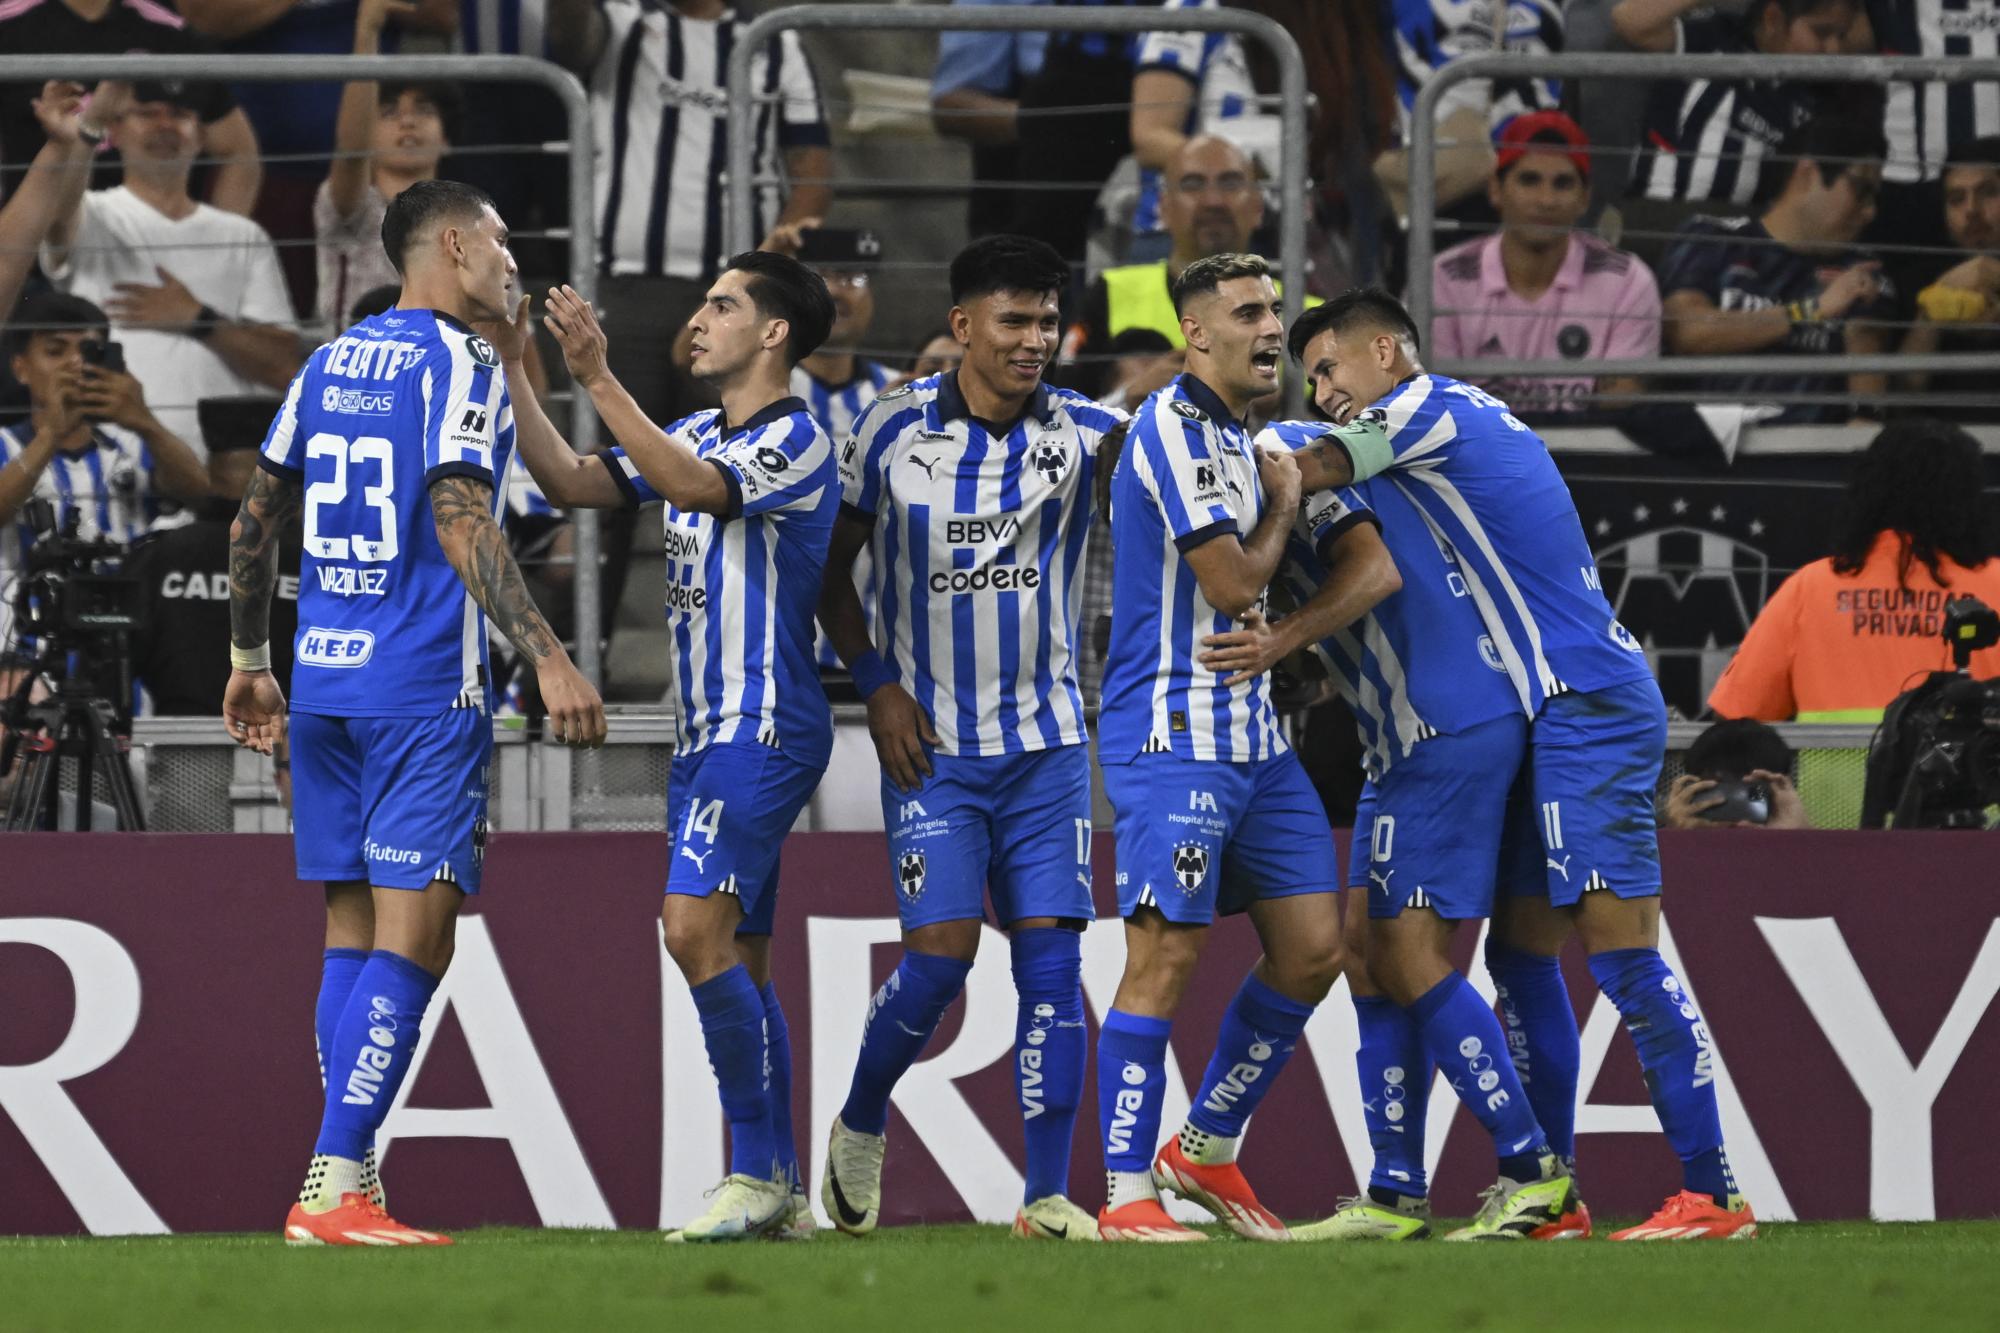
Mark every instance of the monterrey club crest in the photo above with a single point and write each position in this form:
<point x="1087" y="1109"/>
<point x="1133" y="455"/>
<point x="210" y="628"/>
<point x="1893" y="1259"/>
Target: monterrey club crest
<point x="1052" y="461"/>
<point x="910" y="875"/>
<point x="1190" y="865"/>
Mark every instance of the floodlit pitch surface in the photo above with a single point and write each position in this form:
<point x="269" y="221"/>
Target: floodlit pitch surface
<point x="1820" y="1277"/>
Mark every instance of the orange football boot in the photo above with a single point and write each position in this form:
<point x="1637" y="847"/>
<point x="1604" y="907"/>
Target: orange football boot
<point x="1572" y="1225"/>
<point x="1142" y="1219"/>
<point x="1692" y="1216"/>
<point x="356" y="1221"/>
<point x="1219" y="1188"/>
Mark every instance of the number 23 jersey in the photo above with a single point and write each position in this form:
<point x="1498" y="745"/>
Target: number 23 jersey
<point x="375" y="417"/>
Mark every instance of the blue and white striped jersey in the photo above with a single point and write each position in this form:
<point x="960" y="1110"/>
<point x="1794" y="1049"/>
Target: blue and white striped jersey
<point x="741" y="588"/>
<point x="386" y="628"/>
<point x="1486" y="484"/>
<point x="1421" y="663"/>
<point x="978" y="550"/>
<point x="838" y="406"/>
<point x="1188" y="474"/>
<point x="1215" y="64"/>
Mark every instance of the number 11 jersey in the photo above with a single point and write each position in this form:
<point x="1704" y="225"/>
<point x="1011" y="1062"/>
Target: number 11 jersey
<point x="402" y="399"/>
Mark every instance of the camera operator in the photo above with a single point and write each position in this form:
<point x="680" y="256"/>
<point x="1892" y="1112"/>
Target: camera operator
<point x="1847" y="634"/>
<point x="90" y="446"/>
<point x="1737" y="775"/>
<point x="180" y="652"/>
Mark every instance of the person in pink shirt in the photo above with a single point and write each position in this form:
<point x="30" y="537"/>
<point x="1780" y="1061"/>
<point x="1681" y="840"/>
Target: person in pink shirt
<point x="1540" y="289"/>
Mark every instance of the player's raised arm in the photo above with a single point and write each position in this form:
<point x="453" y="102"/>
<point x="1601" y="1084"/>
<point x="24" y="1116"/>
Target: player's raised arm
<point x="683" y="479"/>
<point x="470" y="535"/>
<point x="1360" y="574"/>
<point x="1233" y="574"/>
<point x="253" y="705"/>
<point x="569" y="480"/>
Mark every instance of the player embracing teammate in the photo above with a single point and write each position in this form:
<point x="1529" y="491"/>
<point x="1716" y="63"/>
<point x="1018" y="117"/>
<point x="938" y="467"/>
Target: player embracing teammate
<point x="1581" y="853"/>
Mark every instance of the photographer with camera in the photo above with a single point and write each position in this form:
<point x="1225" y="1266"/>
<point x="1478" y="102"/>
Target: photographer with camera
<point x="1737" y="774"/>
<point x="1844" y="636"/>
<point x="90" y="447"/>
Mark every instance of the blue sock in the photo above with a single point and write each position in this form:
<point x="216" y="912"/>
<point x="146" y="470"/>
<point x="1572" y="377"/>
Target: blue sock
<point x="1541" y="1034"/>
<point x="372" y="1046"/>
<point x="778" y="1049"/>
<point x="1050" y="1047"/>
<point x="1259" y="1030"/>
<point x="1131" y="1085"/>
<point x="732" y="1026"/>
<point x="337" y="971"/>
<point x="1675" y="1052"/>
<point x="901" y="1018"/>
<point x="1395" y="1093"/>
<point x="1465" y="1039"/>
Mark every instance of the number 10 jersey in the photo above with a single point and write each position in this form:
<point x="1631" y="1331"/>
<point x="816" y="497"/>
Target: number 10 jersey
<point x="386" y="627"/>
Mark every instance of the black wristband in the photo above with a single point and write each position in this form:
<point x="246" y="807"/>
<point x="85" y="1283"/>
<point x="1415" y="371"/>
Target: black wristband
<point x="206" y="322"/>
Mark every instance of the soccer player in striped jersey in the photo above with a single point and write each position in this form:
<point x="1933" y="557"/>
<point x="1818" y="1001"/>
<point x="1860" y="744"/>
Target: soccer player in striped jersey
<point x="750" y="491"/>
<point x="1487" y="485"/>
<point x="1443" y="735"/>
<point x="1214" y="811"/>
<point x="972" y="489"/>
<point x="391" y="447"/>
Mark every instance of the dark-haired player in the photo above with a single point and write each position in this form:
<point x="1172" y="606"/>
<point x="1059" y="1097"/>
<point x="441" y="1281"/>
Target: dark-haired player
<point x="972" y="491"/>
<point x="1487" y="487"/>
<point x="1215" y="815"/>
<point x="390" y="447"/>
<point x="750" y="491"/>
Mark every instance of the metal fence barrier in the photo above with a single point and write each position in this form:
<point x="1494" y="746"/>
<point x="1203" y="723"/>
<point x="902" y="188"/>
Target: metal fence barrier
<point x="1743" y="68"/>
<point x="447" y="68"/>
<point x="1294" y="171"/>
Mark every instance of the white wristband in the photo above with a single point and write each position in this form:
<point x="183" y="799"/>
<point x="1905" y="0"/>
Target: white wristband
<point x="250" y="659"/>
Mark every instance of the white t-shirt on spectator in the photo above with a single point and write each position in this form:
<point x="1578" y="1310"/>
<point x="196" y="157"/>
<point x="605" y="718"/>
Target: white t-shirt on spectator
<point x="351" y="257"/>
<point x="227" y="261"/>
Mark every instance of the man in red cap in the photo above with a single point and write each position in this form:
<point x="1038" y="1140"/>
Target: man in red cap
<point x="1538" y="288"/>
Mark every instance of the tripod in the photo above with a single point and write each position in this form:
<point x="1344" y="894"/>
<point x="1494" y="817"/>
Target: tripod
<point x="74" y="721"/>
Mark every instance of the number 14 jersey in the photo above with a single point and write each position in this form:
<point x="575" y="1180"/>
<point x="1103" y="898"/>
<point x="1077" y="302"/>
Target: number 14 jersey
<point x="386" y="627"/>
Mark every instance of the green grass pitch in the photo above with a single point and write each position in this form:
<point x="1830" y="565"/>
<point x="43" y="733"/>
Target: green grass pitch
<point x="956" y="1279"/>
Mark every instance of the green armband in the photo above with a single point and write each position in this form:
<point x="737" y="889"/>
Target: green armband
<point x="1368" y="447"/>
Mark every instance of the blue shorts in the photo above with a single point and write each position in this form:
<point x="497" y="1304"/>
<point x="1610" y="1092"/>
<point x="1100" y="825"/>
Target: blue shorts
<point x="395" y="801"/>
<point x="1198" y="839"/>
<point x="1015" y="826"/>
<point x="1585" y="809"/>
<point x="1427" y="834"/>
<point x="729" y="808"/>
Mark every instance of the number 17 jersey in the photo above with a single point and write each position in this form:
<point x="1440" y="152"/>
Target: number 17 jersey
<point x="402" y="399"/>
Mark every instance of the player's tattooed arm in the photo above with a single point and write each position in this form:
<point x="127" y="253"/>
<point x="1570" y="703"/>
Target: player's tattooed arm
<point x="1323" y="465"/>
<point x="471" y="537"/>
<point x="477" y="549"/>
<point x="270" y="503"/>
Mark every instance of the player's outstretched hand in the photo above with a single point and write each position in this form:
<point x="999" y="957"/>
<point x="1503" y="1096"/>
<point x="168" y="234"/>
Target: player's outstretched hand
<point x="901" y="730"/>
<point x="1248" y="652"/>
<point x="573" y="324"/>
<point x="510" y="337"/>
<point x="253" y="710"/>
<point x="576" y="713"/>
<point x="1279" y="472"/>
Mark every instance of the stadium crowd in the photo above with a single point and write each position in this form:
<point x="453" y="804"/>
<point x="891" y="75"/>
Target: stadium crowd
<point x="170" y="251"/>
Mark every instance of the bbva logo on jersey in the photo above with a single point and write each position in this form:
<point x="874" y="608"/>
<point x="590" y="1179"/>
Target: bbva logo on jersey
<point x="357" y="402"/>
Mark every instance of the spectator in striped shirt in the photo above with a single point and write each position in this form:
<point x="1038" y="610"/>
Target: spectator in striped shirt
<point x="658" y="78"/>
<point x="1707" y="140"/>
<point x="1538" y="288"/>
<point x="91" y="447"/>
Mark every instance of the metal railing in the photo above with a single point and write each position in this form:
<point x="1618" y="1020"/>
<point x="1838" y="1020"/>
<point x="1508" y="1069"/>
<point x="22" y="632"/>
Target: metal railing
<point x="346" y="68"/>
<point x="1739" y="68"/>
<point x="1293" y="171"/>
